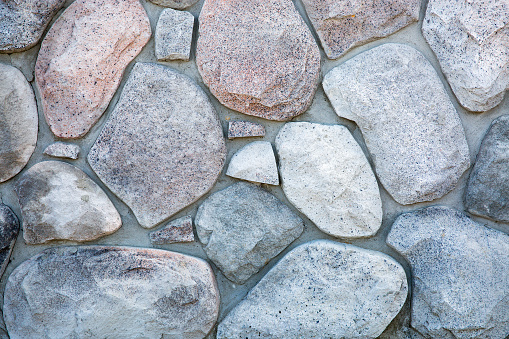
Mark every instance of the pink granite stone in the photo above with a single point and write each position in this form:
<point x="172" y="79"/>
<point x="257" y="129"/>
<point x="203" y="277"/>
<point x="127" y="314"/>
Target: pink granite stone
<point x="245" y="129"/>
<point x="82" y="59"/>
<point x="258" y="57"/>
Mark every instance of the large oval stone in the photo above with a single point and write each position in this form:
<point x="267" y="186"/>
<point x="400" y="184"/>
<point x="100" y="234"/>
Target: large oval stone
<point x="163" y="147"/>
<point x="110" y="292"/>
<point x="258" y="57"/>
<point x="82" y="59"/>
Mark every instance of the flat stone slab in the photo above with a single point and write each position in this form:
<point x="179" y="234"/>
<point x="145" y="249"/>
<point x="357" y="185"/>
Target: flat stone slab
<point x="178" y="230"/>
<point x="111" y="292"/>
<point x="470" y="40"/>
<point x="255" y="162"/>
<point x="177" y="4"/>
<point x="322" y="289"/>
<point x="258" y="57"/>
<point x="243" y="227"/>
<point x="23" y="22"/>
<point x="163" y="146"/>
<point x="343" y="25"/>
<point x="174" y="33"/>
<point x="9" y="229"/>
<point x="60" y="202"/>
<point x="459" y="269"/>
<point x="327" y="177"/>
<point x="63" y="150"/>
<point x="18" y="113"/>
<point x="245" y="129"/>
<point x="82" y="60"/>
<point x="409" y="124"/>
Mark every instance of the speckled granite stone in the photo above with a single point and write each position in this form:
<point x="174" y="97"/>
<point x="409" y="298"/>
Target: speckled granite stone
<point x="343" y="25"/>
<point x="174" y="33"/>
<point x="178" y="230"/>
<point x="82" y="59"/>
<point x="410" y="126"/>
<point x="245" y="129"/>
<point x="258" y="57"/>
<point x="63" y="150"/>
<point x="23" y="22"/>
<point x="255" y="162"/>
<point x="177" y="4"/>
<point x="110" y="292"/>
<point x="9" y="229"/>
<point x="163" y="147"/>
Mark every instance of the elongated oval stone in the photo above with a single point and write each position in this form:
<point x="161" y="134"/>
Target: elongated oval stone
<point x="82" y="59"/>
<point x="110" y="292"/>
<point x="258" y="57"/>
<point x="163" y="147"/>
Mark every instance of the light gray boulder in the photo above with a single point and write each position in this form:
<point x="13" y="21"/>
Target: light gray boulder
<point x="255" y="162"/>
<point x="174" y="33"/>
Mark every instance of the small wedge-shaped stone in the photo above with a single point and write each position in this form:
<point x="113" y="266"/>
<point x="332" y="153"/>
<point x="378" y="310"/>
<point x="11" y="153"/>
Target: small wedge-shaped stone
<point x="174" y="33"/>
<point x="178" y="230"/>
<point x="110" y="292"/>
<point x="243" y="227"/>
<point x="63" y="150"/>
<point x="258" y="57"/>
<point x="245" y="129"/>
<point x="82" y="59"/>
<point x="9" y="229"/>
<point x="19" y="122"/>
<point x="460" y="270"/>
<point x="343" y="25"/>
<point x="322" y="289"/>
<point x="23" y="22"/>
<point x="60" y="202"/>
<point x="410" y="126"/>
<point x="471" y="42"/>
<point x="327" y="177"/>
<point x="163" y="147"/>
<point x="255" y="162"/>
<point x="177" y="4"/>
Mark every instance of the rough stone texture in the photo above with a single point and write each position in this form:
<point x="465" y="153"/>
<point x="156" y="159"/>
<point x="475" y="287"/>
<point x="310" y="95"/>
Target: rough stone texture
<point x="470" y="40"/>
<point x="178" y="230"/>
<point x="327" y="177"/>
<point x="174" y="33"/>
<point x="410" y="126"/>
<point x="243" y="227"/>
<point x="255" y="162"/>
<point x="258" y="57"/>
<point x="177" y="4"/>
<point x="60" y="202"/>
<point x="19" y="124"/>
<point x="163" y="147"/>
<point x="343" y="25"/>
<point x="63" y="150"/>
<point x="245" y="129"/>
<point x="9" y="229"/>
<point x="321" y="289"/>
<point x="82" y="59"/>
<point x="111" y="292"/>
<point x="23" y="22"/>
<point x="460" y="271"/>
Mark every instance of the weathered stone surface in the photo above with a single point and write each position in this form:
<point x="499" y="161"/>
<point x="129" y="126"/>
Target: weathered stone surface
<point x="327" y="177"/>
<point x="245" y="129"/>
<point x="410" y="126"/>
<point x="60" y="202"/>
<point x="343" y="25"/>
<point x="243" y="227"/>
<point x="9" y="229"/>
<point x="163" y="147"/>
<point x="19" y="124"/>
<point x="460" y="271"/>
<point x="82" y="59"/>
<point x="470" y="40"/>
<point x="177" y="4"/>
<point x="174" y="33"/>
<point x="111" y="292"/>
<point x="23" y="22"/>
<point x="178" y="230"/>
<point x="321" y="289"/>
<point x="258" y="57"/>
<point x="255" y="162"/>
<point x="63" y="150"/>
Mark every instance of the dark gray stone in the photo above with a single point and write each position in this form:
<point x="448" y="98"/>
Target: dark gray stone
<point x="9" y="229"/>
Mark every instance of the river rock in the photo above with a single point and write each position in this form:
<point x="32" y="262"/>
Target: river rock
<point x="409" y="124"/>
<point x="178" y="230"/>
<point x="255" y="162"/>
<point x="60" y="202"/>
<point x="63" y="150"/>
<point x="177" y="4"/>
<point x="258" y="57"/>
<point x="174" y="33"/>
<point x="111" y="292"/>
<point x="459" y="269"/>
<point x="82" y="59"/>
<point x="470" y="40"/>
<point x="343" y="25"/>
<point x="245" y="129"/>
<point x="23" y="22"/>
<point x="9" y="229"/>
<point x="18" y="114"/>
<point x="163" y="147"/>
<point x="327" y="177"/>
<point x="322" y="289"/>
<point x="243" y="227"/>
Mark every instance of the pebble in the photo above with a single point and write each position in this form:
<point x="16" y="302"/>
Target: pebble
<point x="174" y="33"/>
<point x="178" y="230"/>
<point x="245" y="129"/>
<point x="255" y="162"/>
<point x="9" y="229"/>
<point x="177" y="4"/>
<point x="63" y="150"/>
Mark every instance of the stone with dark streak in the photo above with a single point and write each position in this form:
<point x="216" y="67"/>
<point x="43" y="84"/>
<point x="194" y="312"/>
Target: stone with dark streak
<point x="178" y="230"/>
<point x="9" y="229"/>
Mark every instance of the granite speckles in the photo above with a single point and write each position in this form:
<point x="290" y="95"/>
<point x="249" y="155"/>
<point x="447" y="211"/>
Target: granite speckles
<point x="255" y="162"/>
<point x="63" y="150"/>
<point x="174" y="33"/>
<point x="178" y="230"/>
<point x="245" y="129"/>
